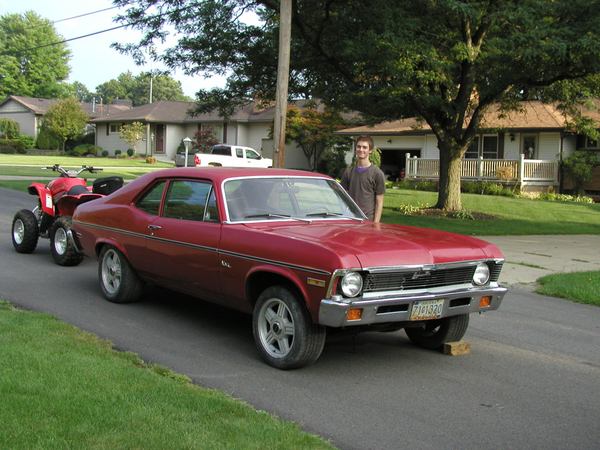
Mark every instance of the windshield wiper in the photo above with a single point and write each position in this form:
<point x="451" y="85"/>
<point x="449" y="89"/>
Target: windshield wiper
<point x="276" y="216"/>
<point x="332" y="214"/>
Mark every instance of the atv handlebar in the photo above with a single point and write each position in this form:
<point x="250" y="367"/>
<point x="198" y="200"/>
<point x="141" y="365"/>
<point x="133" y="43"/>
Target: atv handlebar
<point x="72" y="173"/>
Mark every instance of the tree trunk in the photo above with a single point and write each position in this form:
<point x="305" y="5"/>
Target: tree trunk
<point x="449" y="188"/>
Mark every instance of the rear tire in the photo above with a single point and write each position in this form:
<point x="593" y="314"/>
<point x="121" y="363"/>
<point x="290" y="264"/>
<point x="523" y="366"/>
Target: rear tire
<point x="62" y="246"/>
<point x="118" y="282"/>
<point x="436" y="333"/>
<point x="284" y="333"/>
<point x="25" y="231"/>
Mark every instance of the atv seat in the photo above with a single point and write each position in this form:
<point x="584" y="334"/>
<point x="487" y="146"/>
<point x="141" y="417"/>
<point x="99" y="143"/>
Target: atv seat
<point x="76" y="190"/>
<point x="107" y="185"/>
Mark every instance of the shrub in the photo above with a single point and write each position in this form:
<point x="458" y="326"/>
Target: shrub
<point x="150" y="160"/>
<point x="579" y="166"/>
<point x="11" y="146"/>
<point x="85" y="149"/>
<point x="104" y="153"/>
<point x="332" y="162"/>
<point x="117" y="153"/>
<point x="27" y="141"/>
<point x="47" y="140"/>
<point x="130" y="152"/>
<point x="9" y="129"/>
<point x="485" y="188"/>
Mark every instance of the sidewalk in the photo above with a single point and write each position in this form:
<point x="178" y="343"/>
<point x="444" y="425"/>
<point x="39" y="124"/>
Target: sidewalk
<point x="531" y="257"/>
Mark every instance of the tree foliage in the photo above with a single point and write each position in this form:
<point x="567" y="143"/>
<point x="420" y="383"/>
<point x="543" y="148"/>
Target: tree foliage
<point x="445" y="61"/>
<point x="132" y="133"/>
<point x="137" y="88"/>
<point x="65" y="119"/>
<point x="9" y="129"/>
<point x="204" y="139"/>
<point x="313" y="130"/>
<point x="31" y="62"/>
<point x="579" y="166"/>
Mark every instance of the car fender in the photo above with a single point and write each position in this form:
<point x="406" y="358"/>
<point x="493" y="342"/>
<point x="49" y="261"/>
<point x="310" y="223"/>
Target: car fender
<point x="108" y="241"/>
<point x="279" y="272"/>
<point x="44" y="196"/>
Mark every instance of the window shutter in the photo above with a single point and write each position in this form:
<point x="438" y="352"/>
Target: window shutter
<point x="501" y="145"/>
<point x="107" y="128"/>
<point x="580" y="141"/>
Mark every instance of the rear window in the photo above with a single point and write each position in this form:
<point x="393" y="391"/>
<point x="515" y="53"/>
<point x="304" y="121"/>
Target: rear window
<point x="221" y="150"/>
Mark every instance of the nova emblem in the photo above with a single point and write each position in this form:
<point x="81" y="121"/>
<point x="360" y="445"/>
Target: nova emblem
<point x="225" y="264"/>
<point x="418" y="275"/>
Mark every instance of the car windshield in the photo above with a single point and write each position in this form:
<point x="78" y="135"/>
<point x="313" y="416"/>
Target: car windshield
<point x="288" y="198"/>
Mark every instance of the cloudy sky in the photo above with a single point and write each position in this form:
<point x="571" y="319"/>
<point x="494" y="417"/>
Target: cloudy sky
<point x="93" y="61"/>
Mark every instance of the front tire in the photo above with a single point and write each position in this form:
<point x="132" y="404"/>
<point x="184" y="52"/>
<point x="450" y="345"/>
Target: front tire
<point x="25" y="231"/>
<point x="118" y="282"/>
<point x="284" y="333"/>
<point x="62" y="246"/>
<point x="436" y="333"/>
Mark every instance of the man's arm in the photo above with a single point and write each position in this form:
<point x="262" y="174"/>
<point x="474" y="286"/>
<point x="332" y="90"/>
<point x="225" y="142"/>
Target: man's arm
<point x="378" y="208"/>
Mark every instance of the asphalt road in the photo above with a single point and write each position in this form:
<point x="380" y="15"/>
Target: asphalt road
<point x="531" y="380"/>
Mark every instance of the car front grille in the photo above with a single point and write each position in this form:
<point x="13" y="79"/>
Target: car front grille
<point x="423" y="279"/>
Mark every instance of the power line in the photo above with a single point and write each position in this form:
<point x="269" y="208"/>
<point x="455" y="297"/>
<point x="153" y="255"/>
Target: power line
<point x="85" y="14"/>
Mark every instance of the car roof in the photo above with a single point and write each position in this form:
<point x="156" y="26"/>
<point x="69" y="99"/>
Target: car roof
<point x="218" y="174"/>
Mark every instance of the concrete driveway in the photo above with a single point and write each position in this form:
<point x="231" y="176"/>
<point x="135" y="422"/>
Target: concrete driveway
<point x="531" y="257"/>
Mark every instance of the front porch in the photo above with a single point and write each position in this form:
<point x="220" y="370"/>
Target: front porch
<point x="528" y="174"/>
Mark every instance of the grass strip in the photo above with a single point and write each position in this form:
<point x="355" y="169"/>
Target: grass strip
<point x="581" y="287"/>
<point x="64" y="388"/>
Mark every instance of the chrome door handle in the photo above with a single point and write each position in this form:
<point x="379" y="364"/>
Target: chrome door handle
<point x="154" y="227"/>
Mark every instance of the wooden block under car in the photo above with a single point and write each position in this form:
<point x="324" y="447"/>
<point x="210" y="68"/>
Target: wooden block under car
<point x="456" y="348"/>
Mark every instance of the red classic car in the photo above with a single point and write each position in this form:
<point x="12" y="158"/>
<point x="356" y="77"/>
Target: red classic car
<point x="291" y="248"/>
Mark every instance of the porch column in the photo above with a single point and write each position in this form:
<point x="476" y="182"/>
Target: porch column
<point x="521" y="168"/>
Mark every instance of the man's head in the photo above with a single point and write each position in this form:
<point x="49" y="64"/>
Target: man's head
<point x="361" y="141"/>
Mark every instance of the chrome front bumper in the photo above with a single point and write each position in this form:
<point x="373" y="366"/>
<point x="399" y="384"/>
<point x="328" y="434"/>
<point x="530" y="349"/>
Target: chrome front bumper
<point x="388" y="309"/>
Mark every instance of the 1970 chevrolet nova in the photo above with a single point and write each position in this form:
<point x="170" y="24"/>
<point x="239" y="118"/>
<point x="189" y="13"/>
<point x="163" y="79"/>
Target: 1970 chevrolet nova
<point x="292" y="249"/>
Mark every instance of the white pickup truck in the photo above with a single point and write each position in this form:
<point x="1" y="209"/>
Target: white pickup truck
<point x="231" y="156"/>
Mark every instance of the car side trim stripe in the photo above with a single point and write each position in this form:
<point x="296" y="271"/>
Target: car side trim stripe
<point x="210" y="249"/>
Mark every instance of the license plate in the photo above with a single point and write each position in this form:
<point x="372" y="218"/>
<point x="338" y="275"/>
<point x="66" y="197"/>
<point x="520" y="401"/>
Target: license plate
<point x="427" y="309"/>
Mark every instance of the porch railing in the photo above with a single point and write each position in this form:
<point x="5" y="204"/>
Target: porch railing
<point x="521" y="171"/>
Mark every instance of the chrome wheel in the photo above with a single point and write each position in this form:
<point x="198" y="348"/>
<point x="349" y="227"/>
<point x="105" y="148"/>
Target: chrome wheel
<point x="60" y="241"/>
<point x="111" y="272"/>
<point x="276" y="329"/>
<point x="18" y="231"/>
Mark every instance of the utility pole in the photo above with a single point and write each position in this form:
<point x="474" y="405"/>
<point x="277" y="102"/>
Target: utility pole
<point x="150" y="96"/>
<point x="283" y="75"/>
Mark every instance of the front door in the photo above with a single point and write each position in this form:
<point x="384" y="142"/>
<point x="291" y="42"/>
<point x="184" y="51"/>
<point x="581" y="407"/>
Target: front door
<point x="529" y="146"/>
<point x="159" y="138"/>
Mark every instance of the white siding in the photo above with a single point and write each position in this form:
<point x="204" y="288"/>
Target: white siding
<point x="511" y="147"/>
<point x="549" y="146"/>
<point x="110" y="142"/>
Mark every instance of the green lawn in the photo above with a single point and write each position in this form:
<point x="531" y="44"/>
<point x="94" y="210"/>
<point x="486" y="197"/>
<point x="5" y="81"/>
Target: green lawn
<point x="581" y="287"/>
<point x="511" y="216"/>
<point x="63" y="388"/>
<point x="41" y="161"/>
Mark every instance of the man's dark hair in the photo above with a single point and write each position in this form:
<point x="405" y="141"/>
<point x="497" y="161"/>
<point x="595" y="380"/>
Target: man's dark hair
<point x="366" y="139"/>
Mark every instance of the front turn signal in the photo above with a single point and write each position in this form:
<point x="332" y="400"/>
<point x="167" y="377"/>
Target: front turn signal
<point x="354" y="314"/>
<point x="485" y="301"/>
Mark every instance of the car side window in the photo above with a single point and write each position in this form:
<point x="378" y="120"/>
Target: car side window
<point x="251" y="154"/>
<point x="150" y="202"/>
<point x="239" y="152"/>
<point x="187" y="200"/>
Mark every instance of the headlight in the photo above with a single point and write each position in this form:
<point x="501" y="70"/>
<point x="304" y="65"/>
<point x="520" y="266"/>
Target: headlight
<point x="482" y="274"/>
<point x="351" y="284"/>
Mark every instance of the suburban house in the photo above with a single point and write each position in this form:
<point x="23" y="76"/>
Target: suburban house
<point x="169" y="122"/>
<point x="29" y="111"/>
<point x="523" y="147"/>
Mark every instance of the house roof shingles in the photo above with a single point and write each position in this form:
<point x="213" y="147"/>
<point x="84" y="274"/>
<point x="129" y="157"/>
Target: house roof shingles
<point x="533" y="115"/>
<point x="40" y="106"/>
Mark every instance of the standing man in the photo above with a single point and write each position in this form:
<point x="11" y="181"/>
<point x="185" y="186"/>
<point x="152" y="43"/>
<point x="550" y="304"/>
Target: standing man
<point x="365" y="182"/>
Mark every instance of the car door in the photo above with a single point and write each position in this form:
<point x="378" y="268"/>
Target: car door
<point x="253" y="158"/>
<point x="182" y="242"/>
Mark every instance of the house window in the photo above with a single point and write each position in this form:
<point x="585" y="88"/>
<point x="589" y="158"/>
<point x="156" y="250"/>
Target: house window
<point x="114" y="127"/>
<point x="529" y="149"/>
<point x="473" y="150"/>
<point x="591" y="143"/>
<point x="489" y="147"/>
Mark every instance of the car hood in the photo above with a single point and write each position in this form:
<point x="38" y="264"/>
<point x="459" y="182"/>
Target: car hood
<point x="377" y="245"/>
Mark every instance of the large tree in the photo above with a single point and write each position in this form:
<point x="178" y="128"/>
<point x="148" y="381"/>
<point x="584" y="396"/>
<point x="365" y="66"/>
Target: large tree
<point x="137" y="88"/>
<point x="445" y="61"/>
<point x="32" y="62"/>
